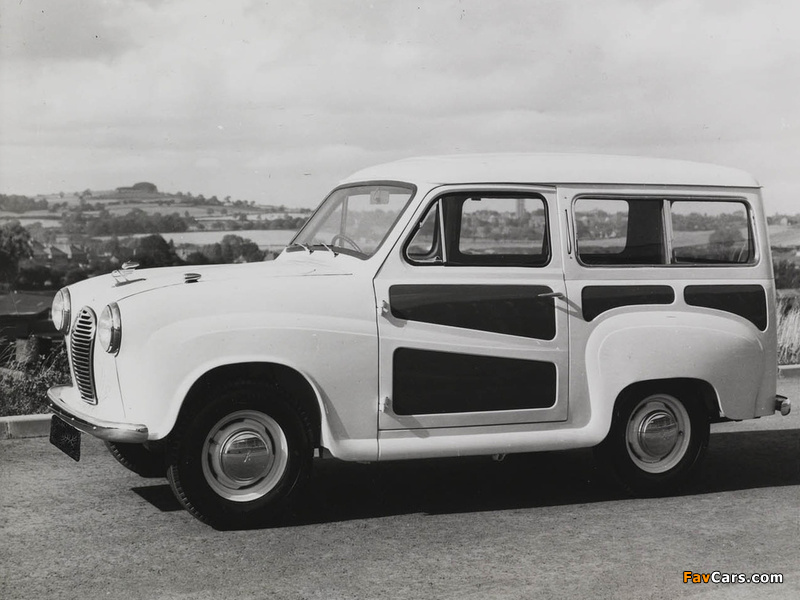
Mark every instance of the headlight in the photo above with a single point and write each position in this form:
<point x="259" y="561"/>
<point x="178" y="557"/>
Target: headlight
<point x="109" y="328"/>
<point x="61" y="311"/>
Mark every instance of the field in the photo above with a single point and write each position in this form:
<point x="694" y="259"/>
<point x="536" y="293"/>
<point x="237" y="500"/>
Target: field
<point x="46" y="218"/>
<point x="784" y="236"/>
<point x="117" y="205"/>
<point x="265" y="239"/>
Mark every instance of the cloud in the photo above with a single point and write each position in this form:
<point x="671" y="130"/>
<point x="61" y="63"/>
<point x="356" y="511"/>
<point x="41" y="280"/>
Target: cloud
<point x="267" y="92"/>
<point x="64" y="31"/>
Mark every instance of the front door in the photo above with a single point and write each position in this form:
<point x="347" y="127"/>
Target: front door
<point x="472" y="320"/>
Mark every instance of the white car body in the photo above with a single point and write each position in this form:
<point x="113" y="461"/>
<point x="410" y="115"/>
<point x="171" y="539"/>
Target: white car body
<point x="328" y="320"/>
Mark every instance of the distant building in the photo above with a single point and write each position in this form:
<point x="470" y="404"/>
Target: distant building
<point x="56" y="255"/>
<point x="143" y="186"/>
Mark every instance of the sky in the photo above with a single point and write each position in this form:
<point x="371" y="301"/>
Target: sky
<point x="277" y="101"/>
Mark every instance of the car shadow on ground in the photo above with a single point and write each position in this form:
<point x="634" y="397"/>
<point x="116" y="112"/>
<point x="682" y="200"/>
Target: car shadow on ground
<point x="339" y="491"/>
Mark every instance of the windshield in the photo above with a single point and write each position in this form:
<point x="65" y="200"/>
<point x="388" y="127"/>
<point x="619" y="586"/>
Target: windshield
<point x="354" y="220"/>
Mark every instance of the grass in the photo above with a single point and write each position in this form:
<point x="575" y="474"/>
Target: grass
<point x="23" y="386"/>
<point x="788" y="332"/>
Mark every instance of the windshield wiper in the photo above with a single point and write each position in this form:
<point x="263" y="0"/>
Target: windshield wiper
<point x="295" y="247"/>
<point x="310" y="248"/>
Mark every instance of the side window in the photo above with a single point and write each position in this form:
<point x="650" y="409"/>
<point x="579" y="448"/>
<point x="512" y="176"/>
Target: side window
<point x="502" y="229"/>
<point x="611" y="231"/>
<point x="706" y="232"/>
<point x="620" y="232"/>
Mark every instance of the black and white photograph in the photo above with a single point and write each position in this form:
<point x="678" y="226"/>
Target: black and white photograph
<point x="350" y="300"/>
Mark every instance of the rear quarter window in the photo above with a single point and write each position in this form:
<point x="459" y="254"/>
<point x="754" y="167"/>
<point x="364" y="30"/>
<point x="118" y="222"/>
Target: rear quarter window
<point x="710" y="232"/>
<point x="662" y="231"/>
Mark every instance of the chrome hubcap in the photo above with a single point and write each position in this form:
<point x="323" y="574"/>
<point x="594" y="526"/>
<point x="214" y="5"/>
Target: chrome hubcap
<point x="658" y="433"/>
<point x="245" y="455"/>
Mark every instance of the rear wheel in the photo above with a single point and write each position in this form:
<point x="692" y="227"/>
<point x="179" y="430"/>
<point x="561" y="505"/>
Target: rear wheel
<point x="240" y="458"/>
<point x="656" y="442"/>
<point x="137" y="458"/>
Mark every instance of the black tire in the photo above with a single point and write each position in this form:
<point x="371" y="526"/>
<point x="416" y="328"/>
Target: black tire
<point x="137" y="458"/>
<point x="656" y="442"/>
<point x="237" y="461"/>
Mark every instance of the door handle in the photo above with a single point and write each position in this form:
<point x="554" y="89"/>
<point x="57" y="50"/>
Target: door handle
<point x="550" y="295"/>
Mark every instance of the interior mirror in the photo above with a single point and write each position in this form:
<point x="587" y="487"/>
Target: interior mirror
<point x="379" y="196"/>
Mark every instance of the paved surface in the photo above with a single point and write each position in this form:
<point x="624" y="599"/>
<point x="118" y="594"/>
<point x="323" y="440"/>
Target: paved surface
<point x="534" y="526"/>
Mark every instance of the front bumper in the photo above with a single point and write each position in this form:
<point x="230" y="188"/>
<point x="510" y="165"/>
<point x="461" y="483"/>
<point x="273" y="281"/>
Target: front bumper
<point x="128" y="433"/>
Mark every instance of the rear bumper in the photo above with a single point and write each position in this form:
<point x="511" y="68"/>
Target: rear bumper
<point x="105" y="430"/>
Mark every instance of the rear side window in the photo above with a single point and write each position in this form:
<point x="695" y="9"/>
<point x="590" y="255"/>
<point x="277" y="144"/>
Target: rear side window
<point x="710" y="232"/>
<point x="620" y="232"/>
<point x="657" y="231"/>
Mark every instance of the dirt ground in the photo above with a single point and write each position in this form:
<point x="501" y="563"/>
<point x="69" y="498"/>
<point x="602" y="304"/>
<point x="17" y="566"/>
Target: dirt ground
<point x="532" y="526"/>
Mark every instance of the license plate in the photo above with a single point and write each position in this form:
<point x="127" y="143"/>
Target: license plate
<point x="66" y="438"/>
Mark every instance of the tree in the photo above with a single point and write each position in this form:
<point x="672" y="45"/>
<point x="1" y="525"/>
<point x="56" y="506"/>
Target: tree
<point x="154" y="251"/>
<point x="197" y="258"/>
<point x="234" y="247"/>
<point x="145" y="186"/>
<point x="726" y="234"/>
<point x="14" y="246"/>
<point x="34" y="277"/>
<point x="74" y="275"/>
<point x="787" y="275"/>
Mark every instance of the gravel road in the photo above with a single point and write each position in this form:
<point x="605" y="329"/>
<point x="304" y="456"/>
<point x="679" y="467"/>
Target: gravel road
<point x="532" y="526"/>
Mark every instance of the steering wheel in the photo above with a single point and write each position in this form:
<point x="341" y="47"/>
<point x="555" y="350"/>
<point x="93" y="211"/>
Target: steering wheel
<point x="348" y="240"/>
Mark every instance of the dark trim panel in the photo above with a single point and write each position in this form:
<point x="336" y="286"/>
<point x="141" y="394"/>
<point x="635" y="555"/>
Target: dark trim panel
<point x="507" y="309"/>
<point x="426" y="382"/>
<point x="597" y="299"/>
<point x="748" y="301"/>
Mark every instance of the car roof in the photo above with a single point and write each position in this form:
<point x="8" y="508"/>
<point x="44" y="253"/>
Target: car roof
<point x="554" y="169"/>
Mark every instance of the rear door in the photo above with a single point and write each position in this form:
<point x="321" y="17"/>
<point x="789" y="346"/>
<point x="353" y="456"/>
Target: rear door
<point x="473" y="321"/>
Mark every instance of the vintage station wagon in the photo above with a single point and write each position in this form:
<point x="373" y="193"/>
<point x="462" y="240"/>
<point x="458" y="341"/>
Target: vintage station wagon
<point x="435" y="307"/>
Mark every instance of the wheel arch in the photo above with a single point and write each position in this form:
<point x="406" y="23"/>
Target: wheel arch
<point x="288" y="379"/>
<point x="682" y="387"/>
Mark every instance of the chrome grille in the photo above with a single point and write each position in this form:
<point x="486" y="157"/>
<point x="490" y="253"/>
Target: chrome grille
<point x="82" y="350"/>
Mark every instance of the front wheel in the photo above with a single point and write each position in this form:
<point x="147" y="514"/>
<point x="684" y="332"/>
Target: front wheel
<point x="655" y="443"/>
<point x="237" y="461"/>
<point x="135" y="457"/>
